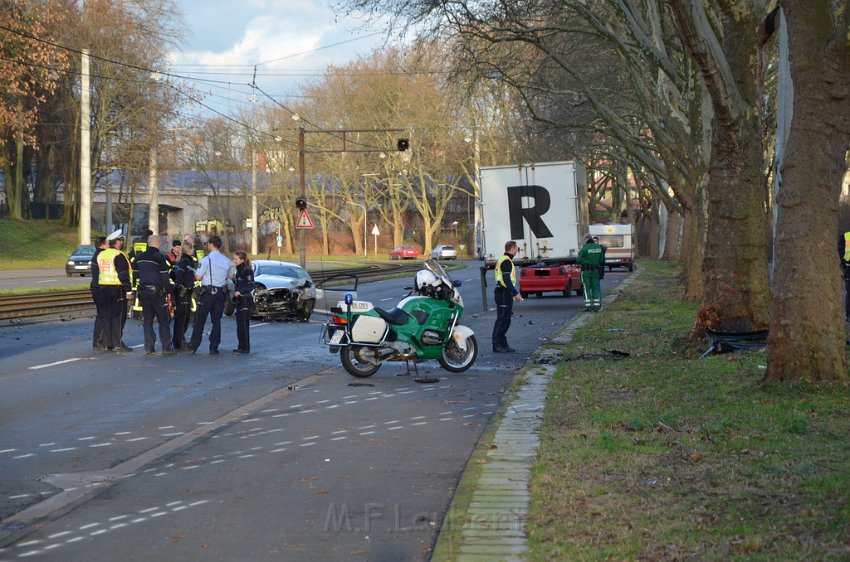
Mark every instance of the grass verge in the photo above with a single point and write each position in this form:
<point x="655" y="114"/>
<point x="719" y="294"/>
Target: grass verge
<point x="662" y="456"/>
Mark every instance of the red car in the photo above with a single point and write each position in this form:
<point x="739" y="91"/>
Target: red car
<point x="541" y="279"/>
<point x="404" y="253"/>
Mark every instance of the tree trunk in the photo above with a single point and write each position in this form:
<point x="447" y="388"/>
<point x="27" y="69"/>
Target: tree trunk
<point x="736" y="293"/>
<point x="691" y="254"/>
<point x="807" y="331"/>
<point x="671" y="237"/>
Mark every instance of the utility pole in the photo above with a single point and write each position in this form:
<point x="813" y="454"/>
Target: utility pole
<point x="302" y="236"/>
<point x="254" y="225"/>
<point x="85" y="150"/>
<point x="153" y="206"/>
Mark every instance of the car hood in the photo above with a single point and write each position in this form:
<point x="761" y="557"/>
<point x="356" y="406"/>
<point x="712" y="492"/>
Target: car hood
<point x="280" y="282"/>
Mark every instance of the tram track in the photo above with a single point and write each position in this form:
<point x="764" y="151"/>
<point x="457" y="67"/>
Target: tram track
<point x="15" y="309"/>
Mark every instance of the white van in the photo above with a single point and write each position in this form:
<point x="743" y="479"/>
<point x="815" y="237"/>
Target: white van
<point x="618" y="240"/>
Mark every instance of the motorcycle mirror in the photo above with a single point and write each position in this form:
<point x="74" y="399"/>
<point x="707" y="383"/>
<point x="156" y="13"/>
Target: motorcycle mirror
<point x="348" y="298"/>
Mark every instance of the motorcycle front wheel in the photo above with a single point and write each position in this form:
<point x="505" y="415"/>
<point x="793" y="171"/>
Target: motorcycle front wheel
<point x="349" y="355"/>
<point x="456" y="360"/>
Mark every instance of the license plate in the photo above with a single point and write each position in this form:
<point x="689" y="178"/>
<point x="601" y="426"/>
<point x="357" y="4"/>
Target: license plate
<point x="337" y="337"/>
<point x="80" y="267"/>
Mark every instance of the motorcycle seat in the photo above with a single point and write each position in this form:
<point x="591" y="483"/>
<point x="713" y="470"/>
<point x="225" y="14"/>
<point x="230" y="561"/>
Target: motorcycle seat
<point x="395" y="316"/>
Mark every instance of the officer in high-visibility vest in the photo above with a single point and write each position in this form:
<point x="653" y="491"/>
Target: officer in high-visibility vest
<point x="505" y="293"/>
<point x="115" y="287"/>
<point x="591" y="258"/>
<point x="844" y="254"/>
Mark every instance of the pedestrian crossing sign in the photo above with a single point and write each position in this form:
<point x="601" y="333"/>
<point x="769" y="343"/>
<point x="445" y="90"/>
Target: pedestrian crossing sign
<point x="304" y="220"/>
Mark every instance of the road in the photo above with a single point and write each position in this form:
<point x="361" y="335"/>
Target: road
<point x="277" y="455"/>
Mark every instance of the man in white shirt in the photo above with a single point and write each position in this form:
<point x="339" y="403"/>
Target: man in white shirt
<point x="213" y="271"/>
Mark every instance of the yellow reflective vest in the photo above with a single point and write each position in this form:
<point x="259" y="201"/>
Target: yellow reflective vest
<point x="499" y="281"/>
<point x="106" y="265"/>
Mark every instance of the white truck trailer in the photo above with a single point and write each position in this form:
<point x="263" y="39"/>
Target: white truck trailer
<point x="543" y="206"/>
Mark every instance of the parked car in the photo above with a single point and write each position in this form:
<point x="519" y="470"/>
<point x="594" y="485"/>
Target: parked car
<point x="404" y="253"/>
<point x="79" y="262"/>
<point x="539" y="279"/>
<point x="444" y="252"/>
<point x="285" y="291"/>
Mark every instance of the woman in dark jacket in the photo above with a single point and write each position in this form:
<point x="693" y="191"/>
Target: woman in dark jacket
<point x="243" y="281"/>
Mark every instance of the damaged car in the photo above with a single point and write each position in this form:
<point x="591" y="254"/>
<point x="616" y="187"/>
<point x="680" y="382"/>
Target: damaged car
<point x="283" y="291"/>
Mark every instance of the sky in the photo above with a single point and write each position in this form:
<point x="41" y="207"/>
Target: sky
<point x="290" y="42"/>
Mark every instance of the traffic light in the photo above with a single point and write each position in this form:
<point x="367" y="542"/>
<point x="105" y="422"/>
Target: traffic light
<point x="301" y="203"/>
<point x="403" y="144"/>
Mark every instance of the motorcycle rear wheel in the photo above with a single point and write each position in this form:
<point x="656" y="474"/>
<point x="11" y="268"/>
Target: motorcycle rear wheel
<point x="349" y="355"/>
<point x="456" y="360"/>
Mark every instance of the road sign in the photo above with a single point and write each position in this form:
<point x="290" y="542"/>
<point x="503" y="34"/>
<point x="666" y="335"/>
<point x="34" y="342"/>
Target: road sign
<point x="304" y="220"/>
<point x="375" y="231"/>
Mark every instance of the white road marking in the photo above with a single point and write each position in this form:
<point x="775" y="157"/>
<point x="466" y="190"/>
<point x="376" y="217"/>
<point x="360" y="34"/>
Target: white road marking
<point x="101" y="445"/>
<point x="338" y="438"/>
<point x="24" y="456"/>
<point x="63" y="450"/>
<point x="135" y="439"/>
<point x="37" y="367"/>
<point x="47" y="444"/>
<point x="86" y="438"/>
<point x="8" y="450"/>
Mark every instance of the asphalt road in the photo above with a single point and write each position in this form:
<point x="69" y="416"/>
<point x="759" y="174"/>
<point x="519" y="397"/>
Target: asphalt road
<point x="277" y="455"/>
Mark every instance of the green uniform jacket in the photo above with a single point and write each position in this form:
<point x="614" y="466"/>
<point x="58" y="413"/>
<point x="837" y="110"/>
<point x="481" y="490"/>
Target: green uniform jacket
<point x="591" y="254"/>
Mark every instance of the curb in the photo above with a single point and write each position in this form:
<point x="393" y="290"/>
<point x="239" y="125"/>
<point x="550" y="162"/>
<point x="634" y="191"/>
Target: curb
<point x="492" y="524"/>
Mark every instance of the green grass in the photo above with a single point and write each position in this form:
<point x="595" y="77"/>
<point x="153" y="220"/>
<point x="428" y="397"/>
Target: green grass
<point x="665" y="456"/>
<point x="35" y="244"/>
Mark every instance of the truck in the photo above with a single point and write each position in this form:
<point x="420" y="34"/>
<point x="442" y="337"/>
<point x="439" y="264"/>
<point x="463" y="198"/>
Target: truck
<point x="542" y="206"/>
<point x="618" y="241"/>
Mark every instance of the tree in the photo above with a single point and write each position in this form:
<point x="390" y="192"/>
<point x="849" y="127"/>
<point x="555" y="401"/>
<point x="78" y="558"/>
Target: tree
<point x="806" y="329"/>
<point x="30" y="64"/>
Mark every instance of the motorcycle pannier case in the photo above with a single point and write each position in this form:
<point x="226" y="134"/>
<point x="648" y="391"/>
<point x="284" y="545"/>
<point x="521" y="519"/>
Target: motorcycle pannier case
<point x="368" y="329"/>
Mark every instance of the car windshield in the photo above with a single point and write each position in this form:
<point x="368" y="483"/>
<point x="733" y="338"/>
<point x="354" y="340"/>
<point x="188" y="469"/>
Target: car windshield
<point x="448" y="247"/>
<point x="282" y="270"/>
<point x="84" y="251"/>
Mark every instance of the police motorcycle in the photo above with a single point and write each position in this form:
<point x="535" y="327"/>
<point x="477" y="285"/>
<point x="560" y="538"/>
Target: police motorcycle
<point x="424" y="325"/>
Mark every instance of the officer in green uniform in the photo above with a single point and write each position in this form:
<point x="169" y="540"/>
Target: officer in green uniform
<point x="591" y="258"/>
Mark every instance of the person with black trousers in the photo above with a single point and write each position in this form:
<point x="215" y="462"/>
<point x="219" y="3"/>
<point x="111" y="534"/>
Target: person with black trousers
<point x="505" y="293"/>
<point x="183" y="275"/>
<point x="243" y="294"/>
<point x="96" y="296"/>
<point x="154" y="287"/>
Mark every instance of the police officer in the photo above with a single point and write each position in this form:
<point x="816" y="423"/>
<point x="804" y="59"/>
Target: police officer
<point x="213" y="272"/>
<point x="154" y="287"/>
<point x="114" y="286"/>
<point x="100" y="317"/>
<point x="184" y="279"/>
<point x="243" y="296"/>
<point x="505" y="293"/>
<point x="591" y="258"/>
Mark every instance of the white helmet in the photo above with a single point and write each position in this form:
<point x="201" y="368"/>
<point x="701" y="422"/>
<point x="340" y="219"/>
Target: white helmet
<point x="426" y="279"/>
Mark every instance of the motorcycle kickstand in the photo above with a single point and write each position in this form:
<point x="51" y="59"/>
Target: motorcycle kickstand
<point x="407" y="366"/>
